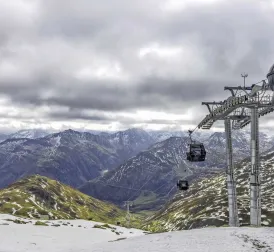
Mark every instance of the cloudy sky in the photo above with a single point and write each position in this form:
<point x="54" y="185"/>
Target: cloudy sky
<point x="118" y="63"/>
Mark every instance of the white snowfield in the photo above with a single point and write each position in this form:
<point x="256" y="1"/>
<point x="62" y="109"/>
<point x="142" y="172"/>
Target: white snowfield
<point x="28" y="237"/>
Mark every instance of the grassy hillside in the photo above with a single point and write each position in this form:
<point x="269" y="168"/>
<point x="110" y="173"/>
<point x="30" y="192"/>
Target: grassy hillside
<point x="146" y="201"/>
<point x="37" y="195"/>
<point x="206" y="204"/>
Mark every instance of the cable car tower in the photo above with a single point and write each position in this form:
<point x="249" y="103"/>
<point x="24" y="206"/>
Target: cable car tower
<point x="244" y="106"/>
<point x="128" y="215"/>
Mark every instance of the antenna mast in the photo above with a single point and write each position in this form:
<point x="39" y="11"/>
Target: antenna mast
<point x="244" y="75"/>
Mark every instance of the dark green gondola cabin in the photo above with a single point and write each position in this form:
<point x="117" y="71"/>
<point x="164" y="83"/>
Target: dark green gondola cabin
<point x="197" y="152"/>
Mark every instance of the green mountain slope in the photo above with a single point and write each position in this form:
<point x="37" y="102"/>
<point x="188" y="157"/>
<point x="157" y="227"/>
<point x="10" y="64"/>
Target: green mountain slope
<point x="206" y="204"/>
<point x="37" y="195"/>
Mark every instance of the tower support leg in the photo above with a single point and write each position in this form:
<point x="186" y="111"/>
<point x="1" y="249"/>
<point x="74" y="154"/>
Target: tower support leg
<point x="231" y="185"/>
<point x="255" y="189"/>
<point x="128" y="204"/>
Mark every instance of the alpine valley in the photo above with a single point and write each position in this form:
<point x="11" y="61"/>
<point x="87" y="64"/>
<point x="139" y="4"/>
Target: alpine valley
<point x="149" y="178"/>
<point x="132" y="165"/>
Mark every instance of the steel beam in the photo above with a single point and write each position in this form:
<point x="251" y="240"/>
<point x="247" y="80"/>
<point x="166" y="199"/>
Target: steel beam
<point x="213" y="103"/>
<point x="237" y="88"/>
<point x="231" y="185"/>
<point x="255" y="189"/>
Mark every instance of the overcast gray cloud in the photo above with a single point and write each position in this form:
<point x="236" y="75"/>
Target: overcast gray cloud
<point x="151" y="93"/>
<point x="125" y="56"/>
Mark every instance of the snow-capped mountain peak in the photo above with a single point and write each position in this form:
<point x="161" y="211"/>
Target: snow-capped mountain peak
<point x="29" y="133"/>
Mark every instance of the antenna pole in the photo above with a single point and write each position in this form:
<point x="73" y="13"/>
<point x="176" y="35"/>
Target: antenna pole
<point x="244" y="75"/>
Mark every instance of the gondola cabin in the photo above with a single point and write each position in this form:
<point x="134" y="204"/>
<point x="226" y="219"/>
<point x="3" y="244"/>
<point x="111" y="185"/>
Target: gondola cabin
<point x="182" y="185"/>
<point x="196" y="152"/>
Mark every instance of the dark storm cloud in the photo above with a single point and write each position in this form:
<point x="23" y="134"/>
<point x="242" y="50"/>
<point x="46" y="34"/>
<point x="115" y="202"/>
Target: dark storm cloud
<point x="77" y="115"/>
<point x="104" y="119"/>
<point x="228" y="37"/>
<point x="15" y="116"/>
<point x="151" y="93"/>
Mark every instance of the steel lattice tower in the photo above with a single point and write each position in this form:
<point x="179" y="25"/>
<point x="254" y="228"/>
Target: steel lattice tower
<point x="241" y="108"/>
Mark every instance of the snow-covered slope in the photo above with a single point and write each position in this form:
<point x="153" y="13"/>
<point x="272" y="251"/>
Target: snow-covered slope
<point x="79" y="235"/>
<point x="240" y="143"/>
<point x="29" y="133"/>
<point x="160" y="135"/>
<point x="201" y="240"/>
<point x="130" y="142"/>
<point x="59" y="235"/>
<point x="26" y="133"/>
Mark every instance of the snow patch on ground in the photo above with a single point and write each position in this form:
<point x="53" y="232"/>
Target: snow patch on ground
<point x="80" y="235"/>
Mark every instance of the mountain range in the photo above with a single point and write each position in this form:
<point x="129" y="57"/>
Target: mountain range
<point x="138" y="166"/>
<point x="25" y="133"/>
<point x="71" y="157"/>
<point x="133" y="164"/>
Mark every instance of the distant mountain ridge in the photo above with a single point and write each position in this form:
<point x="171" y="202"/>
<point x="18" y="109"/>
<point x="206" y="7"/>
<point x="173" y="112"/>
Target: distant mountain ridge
<point x="71" y="157"/>
<point x="29" y="133"/>
<point x="160" y="135"/>
<point x="25" y="133"/>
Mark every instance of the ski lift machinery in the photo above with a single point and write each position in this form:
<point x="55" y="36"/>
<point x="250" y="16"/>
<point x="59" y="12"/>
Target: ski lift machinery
<point x="196" y="153"/>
